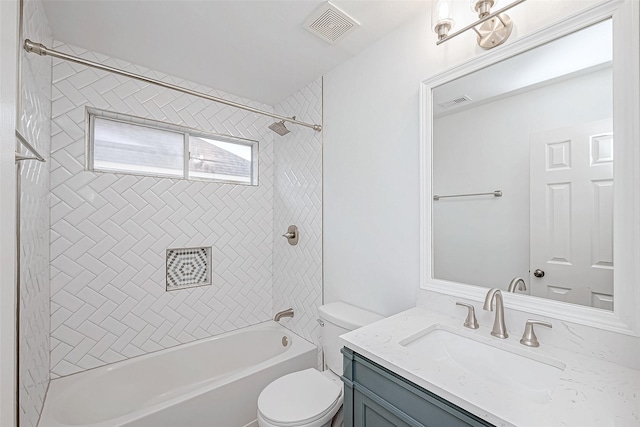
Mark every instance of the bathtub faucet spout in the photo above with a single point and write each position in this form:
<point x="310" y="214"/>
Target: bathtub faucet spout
<point x="284" y="313"/>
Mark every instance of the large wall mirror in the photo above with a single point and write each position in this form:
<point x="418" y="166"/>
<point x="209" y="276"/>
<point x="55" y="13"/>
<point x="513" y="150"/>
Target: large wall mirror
<point x="537" y="128"/>
<point x="528" y="173"/>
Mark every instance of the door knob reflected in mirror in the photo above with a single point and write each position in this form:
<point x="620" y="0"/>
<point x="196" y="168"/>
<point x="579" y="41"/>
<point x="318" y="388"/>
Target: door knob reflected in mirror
<point x="538" y="273"/>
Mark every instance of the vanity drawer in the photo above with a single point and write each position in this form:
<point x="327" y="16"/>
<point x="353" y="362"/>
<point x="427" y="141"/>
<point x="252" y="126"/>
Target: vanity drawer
<point x="377" y="397"/>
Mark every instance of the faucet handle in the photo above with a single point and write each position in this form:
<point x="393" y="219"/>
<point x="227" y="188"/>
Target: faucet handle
<point x="471" y="321"/>
<point x="529" y="336"/>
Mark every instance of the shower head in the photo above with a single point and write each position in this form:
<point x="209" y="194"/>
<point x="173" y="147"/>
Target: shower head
<point x="279" y="128"/>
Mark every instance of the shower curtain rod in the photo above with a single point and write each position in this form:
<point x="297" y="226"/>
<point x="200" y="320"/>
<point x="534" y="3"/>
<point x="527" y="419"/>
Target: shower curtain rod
<point x="42" y="50"/>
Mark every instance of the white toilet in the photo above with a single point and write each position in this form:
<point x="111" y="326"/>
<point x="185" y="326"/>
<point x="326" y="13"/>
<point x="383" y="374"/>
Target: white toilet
<point x="311" y="398"/>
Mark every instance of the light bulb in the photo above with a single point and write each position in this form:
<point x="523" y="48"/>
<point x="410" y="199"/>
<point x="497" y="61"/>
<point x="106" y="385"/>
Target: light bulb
<point x="441" y="20"/>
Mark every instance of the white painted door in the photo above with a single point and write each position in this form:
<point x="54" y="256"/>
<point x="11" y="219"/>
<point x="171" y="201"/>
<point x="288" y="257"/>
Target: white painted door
<point x="572" y="214"/>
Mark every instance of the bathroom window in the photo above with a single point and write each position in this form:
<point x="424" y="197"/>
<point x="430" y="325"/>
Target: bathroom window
<point x="125" y="144"/>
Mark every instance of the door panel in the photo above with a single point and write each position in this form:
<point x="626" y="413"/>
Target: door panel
<point x="571" y="202"/>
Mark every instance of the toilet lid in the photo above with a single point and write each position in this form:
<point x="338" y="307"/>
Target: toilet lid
<point x="301" y="397"/>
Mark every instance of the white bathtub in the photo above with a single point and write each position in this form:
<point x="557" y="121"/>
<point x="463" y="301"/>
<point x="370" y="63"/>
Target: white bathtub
<point x="208" y="383"/>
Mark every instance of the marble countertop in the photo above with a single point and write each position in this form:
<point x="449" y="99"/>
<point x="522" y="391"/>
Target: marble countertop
<point x="590" y="392"/>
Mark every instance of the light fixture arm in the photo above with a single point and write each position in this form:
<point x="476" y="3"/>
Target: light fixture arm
<point x="503" y="19"/>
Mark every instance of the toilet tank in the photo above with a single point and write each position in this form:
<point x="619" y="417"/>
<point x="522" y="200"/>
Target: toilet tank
<point x="340" y="318"/>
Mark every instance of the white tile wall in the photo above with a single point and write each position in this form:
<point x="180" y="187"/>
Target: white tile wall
<point x="297" y="270"/>
<point x="34" y="222"/>
<point x="109" y="232"/>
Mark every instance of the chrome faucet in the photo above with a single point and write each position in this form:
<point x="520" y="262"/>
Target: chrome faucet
<point x="499" y="328"/>
<point x="517" y="282"/>
<point x="284" y="313"/>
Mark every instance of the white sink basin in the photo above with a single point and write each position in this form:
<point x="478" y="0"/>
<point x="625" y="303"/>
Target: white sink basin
<point x="497" y="363"/>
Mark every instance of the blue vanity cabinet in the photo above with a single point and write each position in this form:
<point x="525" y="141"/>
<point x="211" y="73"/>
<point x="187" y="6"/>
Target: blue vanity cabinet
<point x="377" y="397"/>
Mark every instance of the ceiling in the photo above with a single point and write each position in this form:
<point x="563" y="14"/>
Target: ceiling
<point x="254" y="49"/>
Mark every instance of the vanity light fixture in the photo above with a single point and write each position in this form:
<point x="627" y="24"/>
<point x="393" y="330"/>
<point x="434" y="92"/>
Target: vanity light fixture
<point x="492" y="28"/>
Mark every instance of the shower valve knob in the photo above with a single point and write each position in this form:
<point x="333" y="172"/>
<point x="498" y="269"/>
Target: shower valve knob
<point x="292" y="235"/>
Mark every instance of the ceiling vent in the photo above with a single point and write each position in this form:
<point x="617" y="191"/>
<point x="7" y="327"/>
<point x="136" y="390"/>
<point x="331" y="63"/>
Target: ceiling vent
<point x="455" y="102"/>
<point x="330" y="23"/>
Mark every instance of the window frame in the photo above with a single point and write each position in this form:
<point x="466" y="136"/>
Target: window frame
<point x="187" y="132"/>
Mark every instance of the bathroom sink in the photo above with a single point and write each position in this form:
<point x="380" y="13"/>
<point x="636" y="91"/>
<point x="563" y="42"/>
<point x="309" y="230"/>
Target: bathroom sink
<point x="533" y="376"/>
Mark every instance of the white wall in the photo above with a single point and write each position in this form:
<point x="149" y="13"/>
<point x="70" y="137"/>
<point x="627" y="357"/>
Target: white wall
<point x="297" y="200"/>
<point x="109" y="232"/>
<point x="370" y="174"/>
<point x="371" y="165"/>
<point x="490" y="236"/>
<point x="34" y="221"/>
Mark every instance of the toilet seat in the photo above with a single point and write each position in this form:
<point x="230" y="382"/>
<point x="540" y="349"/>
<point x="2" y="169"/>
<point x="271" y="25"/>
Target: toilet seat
<point x="303" y="398"/>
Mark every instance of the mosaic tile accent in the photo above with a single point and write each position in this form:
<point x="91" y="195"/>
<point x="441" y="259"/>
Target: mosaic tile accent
<point x="188" y="267"/>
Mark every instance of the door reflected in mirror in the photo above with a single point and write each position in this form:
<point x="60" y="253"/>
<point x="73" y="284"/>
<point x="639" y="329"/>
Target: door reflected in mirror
<point x="538" y="128"/>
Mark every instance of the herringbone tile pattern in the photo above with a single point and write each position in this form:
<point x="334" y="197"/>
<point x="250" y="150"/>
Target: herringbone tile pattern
<point x="34" y="222"/>
<point x="109" y="232"/>
<point x="297" y="272"/>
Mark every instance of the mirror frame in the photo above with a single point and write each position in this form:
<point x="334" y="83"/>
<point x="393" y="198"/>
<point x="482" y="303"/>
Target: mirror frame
<point x="625" y="318"/>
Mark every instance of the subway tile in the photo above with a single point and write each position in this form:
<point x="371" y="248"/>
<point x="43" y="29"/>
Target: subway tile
<point x="133" y="220"/>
